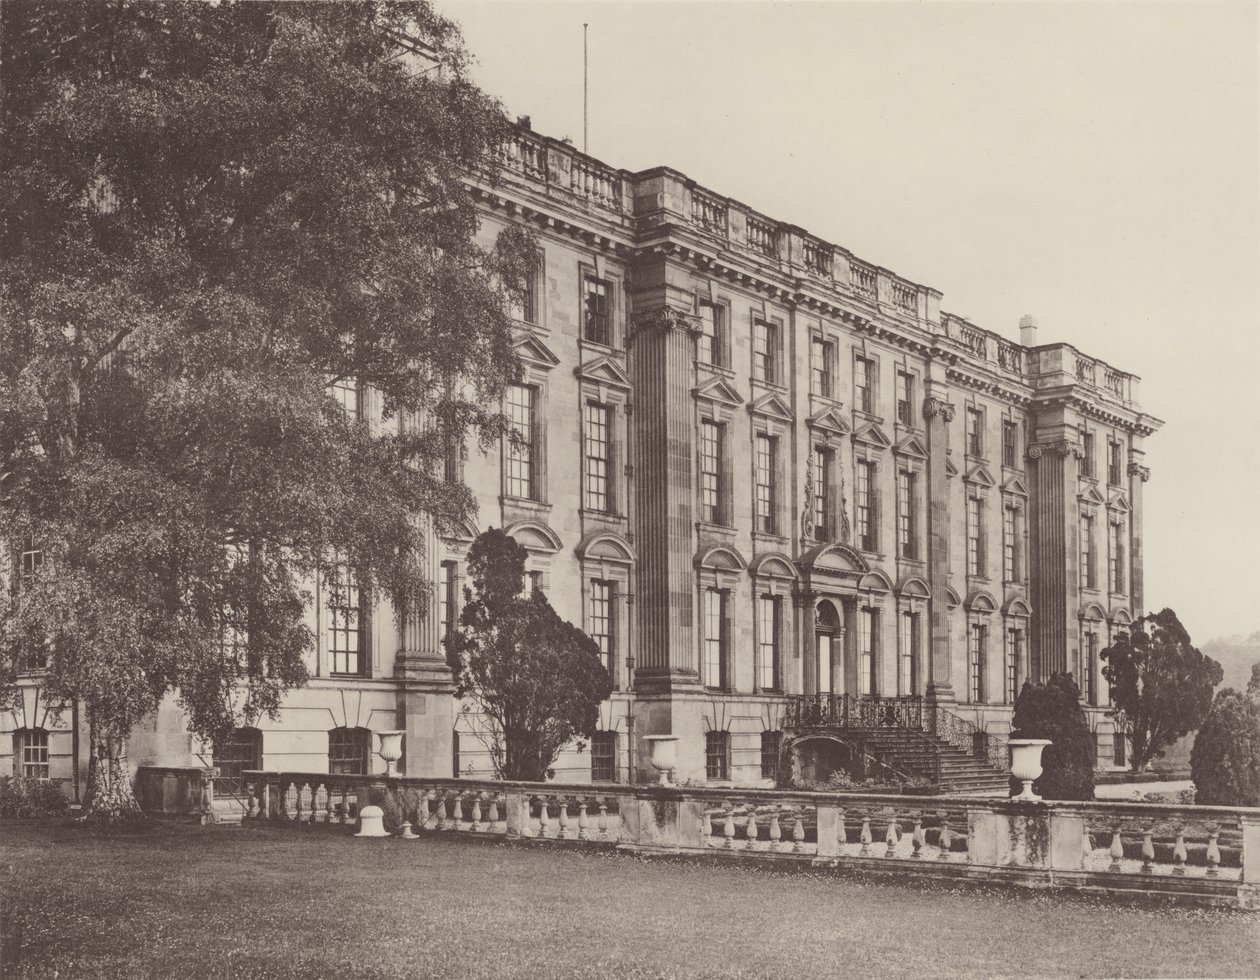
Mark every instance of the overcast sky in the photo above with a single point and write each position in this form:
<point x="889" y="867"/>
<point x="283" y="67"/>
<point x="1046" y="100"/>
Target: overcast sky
<point x="1094" y="164"/>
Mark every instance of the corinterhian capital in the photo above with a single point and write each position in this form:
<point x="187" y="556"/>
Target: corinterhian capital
<point x="931" y="406"/>
<point x="1138" y="470"/>
<point x="666" y="318"/>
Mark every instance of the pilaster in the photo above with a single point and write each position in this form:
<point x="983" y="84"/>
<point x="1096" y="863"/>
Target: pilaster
<point x="1054" y="551"/>
<point x="1138" y="475"/>
<point x="937" y="414"/>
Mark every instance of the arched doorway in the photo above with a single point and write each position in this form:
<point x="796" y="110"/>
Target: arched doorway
<point x="828" y="644"/>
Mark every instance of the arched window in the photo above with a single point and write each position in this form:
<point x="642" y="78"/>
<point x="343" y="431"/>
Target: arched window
<point x="30" y="753"/>
<point x="233" y="755"/>
<point x="349" y="750"/>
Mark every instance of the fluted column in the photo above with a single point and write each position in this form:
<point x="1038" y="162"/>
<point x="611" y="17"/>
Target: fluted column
<point x="1138" y="475"/>
<point x="937" y="415"/>
<point x="661" y="357"/>
<point x="1055" y="543"/>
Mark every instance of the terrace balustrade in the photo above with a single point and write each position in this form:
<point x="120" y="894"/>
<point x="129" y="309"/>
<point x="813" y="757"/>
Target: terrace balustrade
<point x="1193" y="853"/>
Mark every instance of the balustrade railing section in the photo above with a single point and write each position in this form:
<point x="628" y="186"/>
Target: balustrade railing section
<point x="904" y="297"/>
<point x="595" y="183"/>
<point x="708" y="212"/>
<point x="855" y="711"/>
<point x="762" y="237"/>
<point x="863" y="279"/>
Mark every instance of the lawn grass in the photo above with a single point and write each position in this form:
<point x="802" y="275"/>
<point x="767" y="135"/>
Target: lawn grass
<point x="184" y="901"/>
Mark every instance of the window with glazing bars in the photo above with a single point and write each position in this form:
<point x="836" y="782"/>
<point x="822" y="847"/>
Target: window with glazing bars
<point x="820" y="355"/>
<point x="768" y="642"/>
<point x="520" y="448"/>
<point x="909" y="643"/>
<point x="770" y="743"/>
<point x="763" y="468"/>
<point x="346" y="393"/>
<point x="1010" y="444"/>
<point x="867" y="683"/>
<point x="448" y="602"/>
<point x="598" y="417"/>
<point x="32" y="752"/>
<point x="343" y="606"/>
<point x="906" y="542"/>
<point x="864" y="384"/>
<point x="1010" y="539"/>
<point x="714" y="638"/>
<point x="597" y="327"/>
<point x="1117" y="558"/>
<point x="1089" y="666"/>
<point x="1089" y="579"/>
<point x="708" y="342"/>
<point x="1013" y="639"/>
<point x="1113" y="463"/>
<point x="1087" y="447"/>
<point x="975" y="432"/>
<point x="905" y="398"/>
<point x="455" y="754"/>
<point x="975" y="537"/>
<point x="867" y="506"/>
<point x="975" y="661"/>
<point x="239" y="751"/>
<point x="349" y="750"/>
<point x="604" y="757"/>
<point x="530" y="310"/>
<point x="716" y="755"/>
<point x="765" y="342"/>
<point x="710" y="472"/>
<point x="822" y="493"/>
<point x="601" y="625"/>
<point x="30" y="559"/>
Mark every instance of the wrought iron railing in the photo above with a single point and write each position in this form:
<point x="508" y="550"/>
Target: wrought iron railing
<point x="855" y="711"/>
<point x="970" y="738"/>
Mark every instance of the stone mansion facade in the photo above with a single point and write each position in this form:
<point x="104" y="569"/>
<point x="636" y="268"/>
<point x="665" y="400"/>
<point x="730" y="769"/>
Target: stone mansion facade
<point x="751" y="465"/>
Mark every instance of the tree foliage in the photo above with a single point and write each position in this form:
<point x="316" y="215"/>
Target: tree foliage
<point x="535" y="678"/>
<point x="1161" y="684"/>
<point x="1053" y="710"/>
<point x="210" y="216"/>
<point x="1225" y="760"/>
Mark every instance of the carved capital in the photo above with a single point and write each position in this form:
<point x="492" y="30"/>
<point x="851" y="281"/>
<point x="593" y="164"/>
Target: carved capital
<point x="1062" y="448"/>
<point x="803" y="598"/>
<point x="932" y="406"/>
<point x="666" y="318"/>
<point x="1138" y="470"/>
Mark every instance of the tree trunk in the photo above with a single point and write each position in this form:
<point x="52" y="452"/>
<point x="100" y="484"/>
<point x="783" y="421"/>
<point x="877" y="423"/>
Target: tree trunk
<point x="109" y="799"/>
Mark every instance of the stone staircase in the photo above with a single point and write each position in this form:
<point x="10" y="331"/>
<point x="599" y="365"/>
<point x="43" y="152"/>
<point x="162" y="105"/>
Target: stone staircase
<point x="948" y="768"/>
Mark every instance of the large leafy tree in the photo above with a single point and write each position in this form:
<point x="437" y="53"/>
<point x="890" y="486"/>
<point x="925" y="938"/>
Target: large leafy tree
<point x="1161" y="684"/>
<point x="1225" y="759"/>
<point x="215" y="221"/>
<point x="1053" y="710"/>
<point x="536" y="679"/>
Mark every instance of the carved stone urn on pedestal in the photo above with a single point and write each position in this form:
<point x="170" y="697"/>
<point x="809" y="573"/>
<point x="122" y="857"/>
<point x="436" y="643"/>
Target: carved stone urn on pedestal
<point x="1026" y="764"/>
<point x="390" y="750"/>
<point x="664" y="756"/>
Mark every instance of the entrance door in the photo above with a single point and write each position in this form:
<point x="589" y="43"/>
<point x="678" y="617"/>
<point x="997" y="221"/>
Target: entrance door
<point x="826" y="630"/>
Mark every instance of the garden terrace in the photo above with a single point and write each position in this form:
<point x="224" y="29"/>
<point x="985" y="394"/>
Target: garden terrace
<point x="1189" y="853"/>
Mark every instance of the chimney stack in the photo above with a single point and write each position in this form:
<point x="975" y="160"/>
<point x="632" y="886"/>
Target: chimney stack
<point x="1028" y="330"/>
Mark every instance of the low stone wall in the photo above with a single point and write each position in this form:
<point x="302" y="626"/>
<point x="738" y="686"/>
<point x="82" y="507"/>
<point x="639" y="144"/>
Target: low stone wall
<point x="166" y="791"/>
<point x="1183" y="853"/>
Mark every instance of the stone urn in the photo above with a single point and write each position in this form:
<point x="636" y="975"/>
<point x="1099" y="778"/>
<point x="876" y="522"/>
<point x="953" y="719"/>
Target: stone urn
<point x="390" y="750"/>
<point x="372" y="822"/>
<point x="1026" y="764"/>
<point x="664" y="756"/>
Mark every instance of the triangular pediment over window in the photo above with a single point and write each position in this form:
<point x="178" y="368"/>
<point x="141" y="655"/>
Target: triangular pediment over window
<point x="604" y="371"/>
<point x="829" y="420"/>
<point x="911" y="446"/>
<point x="772" y="406"/>
<point x="1016" y="486"/>
<point x="531" y="349"/>
<point x="717" y="389"/>
<point x="950" y="468"/>
<point x="980" y="475"/>
<point x="1119" y="501"/>
<point x="872" y="435"/>
<point x="1091" y="496"/>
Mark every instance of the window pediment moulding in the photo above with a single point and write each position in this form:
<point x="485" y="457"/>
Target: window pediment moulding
<point x="911" y="446"/>
<point x="872" y="435"/>
<point x="1014" y="486"/>
<point x="535" y="353"/>
<point x="1017" y="607"/>
<point x="830" y="421"/>
<point x="605" y="372"/>
<point x="771" y="405"/>
<point x="980" y="478"/>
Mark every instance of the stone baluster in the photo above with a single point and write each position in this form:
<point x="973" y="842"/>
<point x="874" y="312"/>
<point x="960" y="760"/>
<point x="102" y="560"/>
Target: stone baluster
<point x="1213" y="853"/>
<point x="798" y="835"/>
<point x="564" y="818"/>
<point x="1117" y="849"/>
<point x="477" y="825"/>
<point x="447" y="808"/>
<point x="251" y="800"/>
<point x="422" y="810"/>
<point x="1148" y="851"/>
<point x="890" y="837"/>
<point x="776" y="832"/>
<point x="544" y="818"/>
<point x="1087" y="842"/>
<point x="946" y="841"/>
<point x="865" y="837"/>
<point x="917" y="841"/>
<point x="283" y="808"/>
<point x="583" y="833"/>
<point x="706" y="829"/>
<point x="750" y="828"/>
<point x="729" y="830"/>
<point x="1179" y="852"/>
<point x="842" y="833"/>
<point x="602" y="823"/>
<point x="315" y="788"/>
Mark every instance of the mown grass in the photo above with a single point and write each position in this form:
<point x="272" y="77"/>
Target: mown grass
<point x="183" y="901"/>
